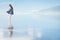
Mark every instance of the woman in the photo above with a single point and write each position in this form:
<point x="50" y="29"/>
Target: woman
<point x="10" y="13"/>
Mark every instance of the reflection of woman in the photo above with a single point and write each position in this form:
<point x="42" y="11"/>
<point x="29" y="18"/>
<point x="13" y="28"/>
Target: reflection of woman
<point x="10" y="13"/>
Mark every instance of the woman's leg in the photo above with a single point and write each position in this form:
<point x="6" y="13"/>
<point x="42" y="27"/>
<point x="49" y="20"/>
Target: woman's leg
<point x="9" y="20"/>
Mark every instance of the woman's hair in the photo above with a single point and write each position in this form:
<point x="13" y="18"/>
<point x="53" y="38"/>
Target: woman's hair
<point x="10" y="6"/>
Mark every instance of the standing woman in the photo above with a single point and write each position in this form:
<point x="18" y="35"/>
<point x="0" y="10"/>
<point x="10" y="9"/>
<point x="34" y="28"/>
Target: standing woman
<point x="10" y="27"/>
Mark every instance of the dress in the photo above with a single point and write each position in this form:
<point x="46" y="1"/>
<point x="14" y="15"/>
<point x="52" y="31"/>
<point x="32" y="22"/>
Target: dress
<point x="10" y="11"/>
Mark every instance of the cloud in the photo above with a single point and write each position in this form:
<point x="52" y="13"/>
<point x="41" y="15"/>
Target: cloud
<point x="49" y="13"/>
<point x="23" y="12"/>
<point x="36" y="14"/>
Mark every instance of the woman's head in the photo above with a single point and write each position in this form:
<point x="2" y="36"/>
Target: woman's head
<point x="10" y="6"/>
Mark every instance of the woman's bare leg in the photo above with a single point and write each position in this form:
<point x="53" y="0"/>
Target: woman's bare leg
<point x="9" y="20"/>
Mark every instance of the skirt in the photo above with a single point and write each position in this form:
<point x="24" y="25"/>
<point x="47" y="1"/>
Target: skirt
<point x="10" y="11"/>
